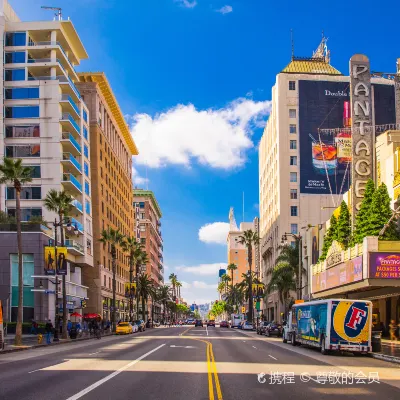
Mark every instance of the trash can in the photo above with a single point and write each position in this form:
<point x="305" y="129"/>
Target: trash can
<point x="73" y="333"/>
<point x="376" y="341"/>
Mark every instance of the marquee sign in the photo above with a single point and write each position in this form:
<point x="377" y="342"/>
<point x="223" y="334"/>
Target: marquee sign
<point x="361" y="124"/>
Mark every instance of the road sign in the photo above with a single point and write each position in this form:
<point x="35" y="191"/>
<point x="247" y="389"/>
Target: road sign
<point x="50" y="291"/>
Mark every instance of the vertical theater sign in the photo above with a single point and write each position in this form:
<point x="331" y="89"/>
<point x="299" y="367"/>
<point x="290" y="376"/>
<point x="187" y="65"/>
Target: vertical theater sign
<point x="362" y="130"/>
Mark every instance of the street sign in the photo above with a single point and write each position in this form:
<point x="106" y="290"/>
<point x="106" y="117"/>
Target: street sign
<point x="243" y="310"/>
<point x="83" y="303"/>
<point x="50" y="291"/>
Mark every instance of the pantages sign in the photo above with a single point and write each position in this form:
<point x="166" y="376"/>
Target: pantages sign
<point x="362" y="131"/>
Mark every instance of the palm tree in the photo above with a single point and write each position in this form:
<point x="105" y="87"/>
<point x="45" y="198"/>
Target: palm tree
<point x="221" y="287"/>
<point x="173" y="279"/>
<point x="61" y="204"/>
<point x="134" y="249"/>
<point x="16" y="174"/>
<point x="235" y="297"/>
<point x="225" y="279"/>
<point x="249" y="238"/>
<point x="232" y="267"/>
<point x="113" y="238"/>
<point x="178" y="287"/>
<point x="163" y="295"/>
<point x="145" y="290"/>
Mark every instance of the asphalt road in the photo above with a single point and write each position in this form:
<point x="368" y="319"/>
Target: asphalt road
<point x="191" y="363"/>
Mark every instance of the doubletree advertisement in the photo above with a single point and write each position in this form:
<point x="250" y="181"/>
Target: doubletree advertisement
<point x="326" y="157"/>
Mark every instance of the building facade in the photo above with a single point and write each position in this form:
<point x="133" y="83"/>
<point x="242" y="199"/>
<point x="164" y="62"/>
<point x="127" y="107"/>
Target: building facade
<point x="111" y="151"/>
<point x="45" y="123"/>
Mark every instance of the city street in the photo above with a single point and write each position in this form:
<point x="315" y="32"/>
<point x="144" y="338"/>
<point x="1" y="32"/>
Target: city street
<point x="195" y="363"/>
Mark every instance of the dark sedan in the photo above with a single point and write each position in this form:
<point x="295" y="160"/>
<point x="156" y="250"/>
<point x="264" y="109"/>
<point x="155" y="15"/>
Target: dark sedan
<point x="274" y="329"/>
<point x="211" y="322"/>
<point x="224" y="324"/>
<point x="198" y="322"/>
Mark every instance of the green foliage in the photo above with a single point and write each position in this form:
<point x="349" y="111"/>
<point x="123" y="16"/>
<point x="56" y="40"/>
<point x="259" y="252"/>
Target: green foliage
<point x="329" y="237"/>
<point x="218" y="308"/>
<point x="59" y="202"/>
<point x="196" y="314"/>
<point x="363" y="215"/>
<point x="6" y="219"/>
<point x="344" y="226"/>
<point x="283" y="280"/>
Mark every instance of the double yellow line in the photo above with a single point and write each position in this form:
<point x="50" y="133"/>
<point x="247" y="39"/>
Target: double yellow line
<point x="211" y="369"/>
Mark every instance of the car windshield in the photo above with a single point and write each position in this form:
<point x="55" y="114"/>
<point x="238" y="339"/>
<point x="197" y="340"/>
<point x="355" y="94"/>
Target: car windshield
<point x="123" y="324"/>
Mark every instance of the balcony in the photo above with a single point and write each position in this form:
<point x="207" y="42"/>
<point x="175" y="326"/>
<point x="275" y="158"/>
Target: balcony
<point x="71" y="164"/>
<point x="70" y="182"/>
<point x="71" y="144"/>
<point x="70" y="105"/>
<point x="76" y="224"/>
<point x="68" y="122"/>
<point x="67" y="80"/>
<point x="78" y="205"/>
<point x="74" y="247"/>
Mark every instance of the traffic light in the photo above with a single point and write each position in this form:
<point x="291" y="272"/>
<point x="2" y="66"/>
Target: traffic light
<point x="243" y="310"/>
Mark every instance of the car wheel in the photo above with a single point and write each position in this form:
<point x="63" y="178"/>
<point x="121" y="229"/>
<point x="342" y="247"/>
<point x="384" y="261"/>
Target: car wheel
<point x="324" y="351"/>
<point x="293" y="339"/>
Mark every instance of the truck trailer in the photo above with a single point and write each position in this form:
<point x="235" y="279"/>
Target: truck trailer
<point x="332" y="324"/>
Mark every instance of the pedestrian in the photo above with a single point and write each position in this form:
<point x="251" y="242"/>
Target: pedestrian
<point x="34" y="328"/>
<point x="69" y="326"/>
<point x="392" y="330"/>
<point x="49" y="330"/>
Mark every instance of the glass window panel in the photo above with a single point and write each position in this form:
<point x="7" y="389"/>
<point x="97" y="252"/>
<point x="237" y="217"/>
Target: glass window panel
<point x="15" y="57"/>
<point x="22" y="93"/>
<point x="17" y="74"/>
<point x="22" y="112"/>
<point x="16" y="39"/>
<point x="23" y="131"/>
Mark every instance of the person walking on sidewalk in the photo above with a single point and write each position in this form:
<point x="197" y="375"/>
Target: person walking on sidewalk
<point x="49" y="330"/>
<point x="392" y="329"/>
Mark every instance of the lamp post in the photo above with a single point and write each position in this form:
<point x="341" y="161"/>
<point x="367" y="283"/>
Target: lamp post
<point x="298" y="240"/>
<point x="60" y="224"/>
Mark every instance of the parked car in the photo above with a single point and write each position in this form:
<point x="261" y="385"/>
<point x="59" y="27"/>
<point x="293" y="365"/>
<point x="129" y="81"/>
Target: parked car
<point x="261" y="327"/>
<point x="135" y="328"/>
<point x="224" y="324"/>
<point x="198" y="322"/>
<point x="274" y="329"/>
<point x="190" y="321"/>
<point x="247" y="326"/>
<point x="211" y="322"/>
<point x="140" y="324"/>
<point x="124" y="328"/>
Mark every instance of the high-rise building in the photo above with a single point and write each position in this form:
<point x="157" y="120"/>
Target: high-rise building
<point x="148" y="215"/>
<point x="45" y="123"/>
<point x="111" y="151"/>
<point x="304" y="168"/>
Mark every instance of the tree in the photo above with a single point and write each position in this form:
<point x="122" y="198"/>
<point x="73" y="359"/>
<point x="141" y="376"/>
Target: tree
<point x="235" y="297"/>
<point x="249" y="238"/>
<point x="163" y="295"/>
<point x="232" y="267"/>
<point x="173" y="279"/>
<point x="329" y="237"/>
<point x="135" y="251"/>
<point x="225" y="279"/>
<point x="112" y="238"/>
<point x="344" y="226"/>
<point x="178" y="288"/>
<point x="379" y="214"/>
<point x="196" y="314"/>
<point x="16" y="174"/>
<point x="221" y="287"/>
<point x="61" y="204"/>
<point x="145" y="289"/>
<point x="363" y="215"/>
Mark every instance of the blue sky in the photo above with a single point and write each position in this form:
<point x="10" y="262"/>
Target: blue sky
<point x="194" y="79"/>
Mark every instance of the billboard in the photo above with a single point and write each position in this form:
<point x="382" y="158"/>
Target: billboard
<point x="130" y="290"/>
<point x="325" y="159"/>
<point x="53" y="266"/>
<point x="384" y="265"/>
<point x="338" y="275"/>
<point x="258" y="290"/>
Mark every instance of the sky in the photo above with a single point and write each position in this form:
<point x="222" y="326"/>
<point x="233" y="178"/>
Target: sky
<point x="194" y="79"/>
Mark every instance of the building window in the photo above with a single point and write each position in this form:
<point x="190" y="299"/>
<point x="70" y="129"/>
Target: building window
<point x="293" y="160"/>
<point x="86" y="168"/>
<point x="101" y="155"/>
<point x="28" y="268"/>
<point x="86" y="151"/>
<point x="292" y="113"/>
<point x="16" y="39"/>
<point x="27" y="193"/>
<point x="26" y="213"/>
<point x="294" y="229"/>
<point x="109" y="280"/>
<point x="293" y="128"/>
<point x="21" y="93"/>
<point x="105" y="281"/>
<point x="89" y="246"/>
<point x="293" y="211"/>
<point x="22" y="131"/>
<point x="17" y="74"/>
<point x="87" y="188"/>
<point x="30" y="150"/>
<point x="293" y="194"/>
<point x="292" y="85"/>
<point x="142" y="228"/>
<point x="16" y="57"/>
<point x="143" y="241"/>
<point x="85" y="132"/>
<point x="293" y="177"/>
<point x="293" y="145"/>
<point x="141" y="204"/>
<point x="85" y="117"/>
<point x="87" y="207"/>
<point x="22" y="112"/>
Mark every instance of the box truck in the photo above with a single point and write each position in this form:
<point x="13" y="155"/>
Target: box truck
<point x="236" y="319"/>
<point x="333" y="324"/>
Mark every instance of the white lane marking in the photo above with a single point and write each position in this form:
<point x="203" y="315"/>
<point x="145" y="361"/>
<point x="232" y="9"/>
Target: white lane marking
<point x="91" y="354"/>
<point x="185" y="347"/>
<point x="254" y="347"/>
<point x="244" y="341"/>
<point x="206" y="330"/>
<point x="34" y="371"/>
<point x="115" y="373"/>
<point x="272" y="357"/>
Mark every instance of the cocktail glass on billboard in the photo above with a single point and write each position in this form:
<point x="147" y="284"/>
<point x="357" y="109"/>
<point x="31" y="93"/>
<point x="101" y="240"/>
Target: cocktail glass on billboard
<point x="324" y="157"/>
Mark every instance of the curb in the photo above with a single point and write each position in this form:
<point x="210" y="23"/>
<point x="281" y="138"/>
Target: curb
<point x="384" y="357"/>
<point x="36" y="346"/>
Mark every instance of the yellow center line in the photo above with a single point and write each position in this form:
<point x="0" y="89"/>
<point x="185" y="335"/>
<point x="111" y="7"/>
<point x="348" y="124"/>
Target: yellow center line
<point x="211" y="368"/>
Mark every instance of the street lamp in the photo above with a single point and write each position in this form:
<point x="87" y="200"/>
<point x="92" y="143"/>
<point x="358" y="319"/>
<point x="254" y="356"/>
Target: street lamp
<point x="298" y="240"/>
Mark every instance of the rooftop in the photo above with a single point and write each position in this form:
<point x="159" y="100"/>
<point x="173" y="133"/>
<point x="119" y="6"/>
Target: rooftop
<point x="148" y="193"/>
<point x="105" y="88"/>
<point x="317" y="66"/>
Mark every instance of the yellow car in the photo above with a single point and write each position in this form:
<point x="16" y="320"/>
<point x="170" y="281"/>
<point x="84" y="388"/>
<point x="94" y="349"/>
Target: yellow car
<point x="124" y="328"/>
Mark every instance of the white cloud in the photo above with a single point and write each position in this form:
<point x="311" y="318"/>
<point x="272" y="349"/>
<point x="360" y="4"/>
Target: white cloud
<point x="225" y="9"/>
<point x="216" y="232"/>
<point x="181" y="135"/>
<point x="187" y="3"/>
<point x="199" y="292"/>
<point x="137" y="179"/>
<point x="202" y="269"/>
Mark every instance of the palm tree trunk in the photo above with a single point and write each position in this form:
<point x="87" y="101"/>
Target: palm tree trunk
<point x="250" y="259"/>
<point x="18" y="331"/>
<point x="114" y="289"/>
<point x="130" y="293"/>
<point x="232" y="278"/>
<point x="143" y="308"/>
<point x="64" y="285"/>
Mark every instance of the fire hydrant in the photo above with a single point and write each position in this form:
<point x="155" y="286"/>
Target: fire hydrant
<point x="40" y="338"/>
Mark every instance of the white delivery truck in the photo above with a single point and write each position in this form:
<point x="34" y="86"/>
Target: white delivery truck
<point x="287" y="329"/>
<point x="236" y="319"/>
<point x="332" y="324"/>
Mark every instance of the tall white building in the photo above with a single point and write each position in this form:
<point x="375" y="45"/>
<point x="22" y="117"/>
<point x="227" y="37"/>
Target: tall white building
<point x="45" y="123"/>
<point x="303" y="173"/>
